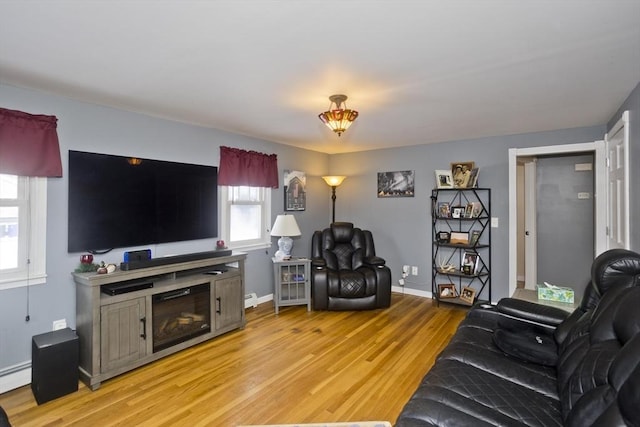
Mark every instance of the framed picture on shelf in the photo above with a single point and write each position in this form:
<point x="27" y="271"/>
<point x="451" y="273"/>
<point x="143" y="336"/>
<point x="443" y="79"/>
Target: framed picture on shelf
<point x="444" y="178"/>
<point x="475" y="237"/>
<point x="447" y="290"/>
<point x="457" y="212"/>
<point x="461" y="172"/>
<point x="468" y="294"/>
<point x="444" y="210"/>
<point x="459" y="238"/>
<point x="468" y="211"/>
<point x="443" y="236"/>
<point x="473" y="178"/>
<point x="469" y="263"/>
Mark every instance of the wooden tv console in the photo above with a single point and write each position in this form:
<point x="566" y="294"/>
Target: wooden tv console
<point x="115" y="330"/>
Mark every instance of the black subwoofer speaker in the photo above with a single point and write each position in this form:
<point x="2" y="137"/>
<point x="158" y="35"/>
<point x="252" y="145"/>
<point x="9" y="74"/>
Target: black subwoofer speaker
<point x="54" y="364"/>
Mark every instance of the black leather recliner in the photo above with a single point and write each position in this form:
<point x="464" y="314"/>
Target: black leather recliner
<point x="346" y="273"/>
<point x="525" y="364"/>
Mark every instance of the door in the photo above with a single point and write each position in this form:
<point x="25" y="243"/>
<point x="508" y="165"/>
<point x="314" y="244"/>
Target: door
<point x="122" y="333"/>
<point x="229" y="303"/>
<point x="618" y="181"/>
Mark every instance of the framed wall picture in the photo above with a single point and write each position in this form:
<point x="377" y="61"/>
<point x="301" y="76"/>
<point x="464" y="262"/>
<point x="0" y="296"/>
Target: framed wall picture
<point x="468" y="294"/>
<point x="396" y="184"/>
<point x="444" y="178"/>
<point x="461" y="172"/>
<point x="295" y="193"/>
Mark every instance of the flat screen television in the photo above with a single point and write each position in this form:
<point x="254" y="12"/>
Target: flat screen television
<point x="120" y="202"/>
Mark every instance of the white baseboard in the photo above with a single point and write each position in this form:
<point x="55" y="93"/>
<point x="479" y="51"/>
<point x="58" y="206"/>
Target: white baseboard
<point x="17" y="376"/>
<point x="410" y="291"/>
<point x="258" y="301"/>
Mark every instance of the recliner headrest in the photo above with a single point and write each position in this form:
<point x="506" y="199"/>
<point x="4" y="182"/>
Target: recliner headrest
<point x="342" y="232"/>
<point x="615" y="267"/>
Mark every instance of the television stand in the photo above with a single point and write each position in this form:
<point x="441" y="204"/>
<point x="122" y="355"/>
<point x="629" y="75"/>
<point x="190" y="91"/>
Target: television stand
<point x="117" y="330"/>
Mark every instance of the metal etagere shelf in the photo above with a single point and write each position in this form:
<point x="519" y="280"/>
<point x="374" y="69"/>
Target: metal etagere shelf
<point x="461" y="249"/>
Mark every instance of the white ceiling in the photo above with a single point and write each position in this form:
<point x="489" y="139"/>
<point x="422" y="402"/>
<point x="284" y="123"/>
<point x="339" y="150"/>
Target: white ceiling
<point x="417" y="71"/>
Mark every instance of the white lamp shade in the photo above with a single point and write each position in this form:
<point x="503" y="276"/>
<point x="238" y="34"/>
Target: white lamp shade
<point x="285" y="225"/>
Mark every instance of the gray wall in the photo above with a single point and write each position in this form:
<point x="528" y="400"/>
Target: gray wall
<point x="402" y="226"/>
<point x="632" y="104"/>
<point x="88" y="127"/>
<point x="565" y="242"/>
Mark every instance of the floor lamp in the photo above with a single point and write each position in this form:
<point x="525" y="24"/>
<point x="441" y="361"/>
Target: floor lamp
<point x="333" y="182"/>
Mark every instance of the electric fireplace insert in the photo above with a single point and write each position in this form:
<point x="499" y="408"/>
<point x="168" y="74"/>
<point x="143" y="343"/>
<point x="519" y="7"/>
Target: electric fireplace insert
<point x="180" y="315"/>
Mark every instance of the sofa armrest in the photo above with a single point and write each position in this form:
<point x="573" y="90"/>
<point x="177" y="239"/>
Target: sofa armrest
<point x="318" y="263"/>
<point x="374" y="260"/>
<point x="532" y="312"/>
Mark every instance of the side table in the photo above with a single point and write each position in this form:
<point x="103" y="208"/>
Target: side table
<point x="292" y="282"/>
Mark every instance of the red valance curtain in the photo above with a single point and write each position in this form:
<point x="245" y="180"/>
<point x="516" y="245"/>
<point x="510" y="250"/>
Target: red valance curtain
<point x="29" y="144"/>
<point x="247" y="168"/>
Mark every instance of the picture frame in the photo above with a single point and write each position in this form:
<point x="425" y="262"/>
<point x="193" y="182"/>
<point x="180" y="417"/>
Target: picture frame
<point x="444" y="178"/>
<point x="295" y="194"/>
<point x="443" y="236"/>
<point x="470" y="259"/>
<point x="475" y="237"/>
<point x="444" y="210"/>
<point x="473" y="178"/>
<point x="447" y="290"/>
<point x="457" y="212"/>
<point x="468" y="210"/>
<point x="396" y="184"/>
<point x="459" y="238"/>
<point x="468" y="294"/>
<point x="461" y="173"/>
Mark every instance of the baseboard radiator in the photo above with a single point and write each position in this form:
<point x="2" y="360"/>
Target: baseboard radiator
<point x="251" y="300"/>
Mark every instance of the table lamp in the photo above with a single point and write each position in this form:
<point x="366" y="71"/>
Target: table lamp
<point x="285" y="227"/>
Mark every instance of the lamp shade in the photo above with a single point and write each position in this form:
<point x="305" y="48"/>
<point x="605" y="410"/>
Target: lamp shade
<point x="285" y="225"/>
<point x="334" y="181"/>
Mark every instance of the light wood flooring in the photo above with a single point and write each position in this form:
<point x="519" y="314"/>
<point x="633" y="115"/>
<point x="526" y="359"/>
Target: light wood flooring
<point x="295" y="367"/>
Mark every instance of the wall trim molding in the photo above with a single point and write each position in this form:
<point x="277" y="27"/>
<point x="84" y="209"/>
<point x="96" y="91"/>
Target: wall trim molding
<point x="15" y="376"/>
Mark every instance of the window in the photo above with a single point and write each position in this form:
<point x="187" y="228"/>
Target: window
<point x="23" y="211"/>
<point x="245" y="217"/>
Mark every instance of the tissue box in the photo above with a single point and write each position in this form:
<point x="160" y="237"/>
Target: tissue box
<point x="558" y="294"/>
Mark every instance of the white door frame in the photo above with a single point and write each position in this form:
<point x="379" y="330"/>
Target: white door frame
<point x="600" y="196"/>
<point x="530" y="226"/>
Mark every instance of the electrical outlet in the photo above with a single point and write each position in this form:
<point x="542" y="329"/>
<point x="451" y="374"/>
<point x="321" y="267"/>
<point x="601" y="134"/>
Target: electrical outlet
<point x="59" y="324"/>
<point x="405" y="269"/>
<point x="494" y="222"/>
<point x="401" y="282"/>
<point x="414" y="270"/>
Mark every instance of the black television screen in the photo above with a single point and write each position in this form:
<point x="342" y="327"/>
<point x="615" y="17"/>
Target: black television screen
<point x="119" y="202"/>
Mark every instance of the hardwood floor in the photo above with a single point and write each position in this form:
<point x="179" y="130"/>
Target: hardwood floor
<point x="295" y="367"/>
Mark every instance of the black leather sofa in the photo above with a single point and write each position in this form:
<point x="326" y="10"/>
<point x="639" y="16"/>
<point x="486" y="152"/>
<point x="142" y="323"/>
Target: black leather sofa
<point x="523" y="364"/>
<point x="346" y="273"/>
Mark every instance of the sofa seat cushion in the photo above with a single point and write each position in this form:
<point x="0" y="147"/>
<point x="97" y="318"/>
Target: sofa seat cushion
<point x="455" y="393"/>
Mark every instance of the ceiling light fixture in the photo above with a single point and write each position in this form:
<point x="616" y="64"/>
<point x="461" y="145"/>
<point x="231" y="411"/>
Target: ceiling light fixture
<point x="340" y="118"/>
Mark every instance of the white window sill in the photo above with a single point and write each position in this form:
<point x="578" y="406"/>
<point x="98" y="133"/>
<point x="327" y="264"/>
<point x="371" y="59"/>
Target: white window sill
<point x="19" y="283"/>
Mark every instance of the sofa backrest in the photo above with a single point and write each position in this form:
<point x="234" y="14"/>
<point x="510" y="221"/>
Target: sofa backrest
<point x="599" y="355"/>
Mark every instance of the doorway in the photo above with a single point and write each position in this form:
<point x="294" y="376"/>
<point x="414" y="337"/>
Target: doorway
<point x="555" y="220"/>
<point x="551" y="155"/>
